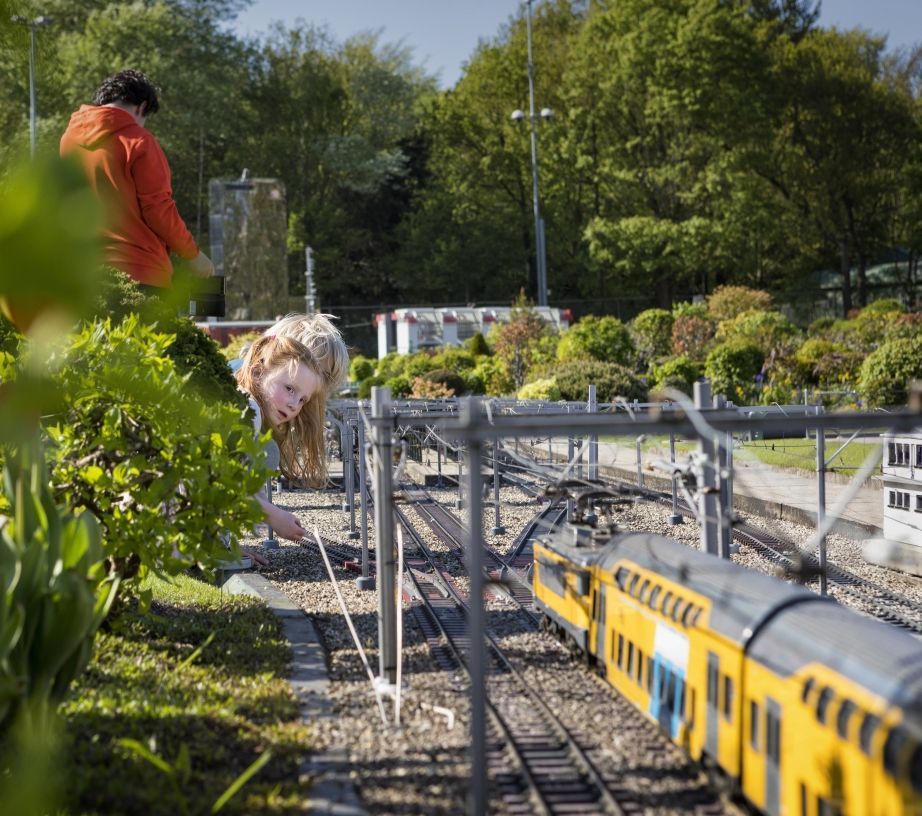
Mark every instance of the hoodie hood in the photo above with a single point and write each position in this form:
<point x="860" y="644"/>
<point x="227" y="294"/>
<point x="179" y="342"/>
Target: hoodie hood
<point x="93" y="124"/>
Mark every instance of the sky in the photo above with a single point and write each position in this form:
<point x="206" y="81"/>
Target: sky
<point x="444" y="33"/>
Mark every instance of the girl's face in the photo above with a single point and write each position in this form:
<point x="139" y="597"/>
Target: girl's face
<point x="287" y="391"/>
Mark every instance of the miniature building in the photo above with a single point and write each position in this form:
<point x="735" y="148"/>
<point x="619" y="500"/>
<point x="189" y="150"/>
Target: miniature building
<point x="902" y="478"/>
<point x="408" y="330"/>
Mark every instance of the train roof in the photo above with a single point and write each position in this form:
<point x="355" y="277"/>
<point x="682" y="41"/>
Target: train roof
<point x="873" y="654"/>
<point x="740" y="597"/>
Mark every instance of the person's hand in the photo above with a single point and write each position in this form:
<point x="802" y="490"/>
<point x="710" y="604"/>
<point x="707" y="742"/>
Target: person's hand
<point x="285" y="524"/>
<point x="201" y="266"/>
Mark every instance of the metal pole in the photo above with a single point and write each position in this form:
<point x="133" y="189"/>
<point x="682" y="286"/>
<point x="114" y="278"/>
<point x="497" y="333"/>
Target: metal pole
<point x="540" y="263"/>
<point x="707" y="490"/>
<point x="384" y="534"/>
<point x="32" y="115"/>
<point x="821" y="501"/>
<point x="725" y="530"/>
<point x="310" y="291"/>
<point x="459" y="502"/>
<point x="350" y="484"/>
<point x="498" y="528"/>
<point x="570" y="447"/>
<point x="477" y="805"/>
<point x="676" y="517"/>
<point x="593" y="438"/>
<point x="365" y="581"/>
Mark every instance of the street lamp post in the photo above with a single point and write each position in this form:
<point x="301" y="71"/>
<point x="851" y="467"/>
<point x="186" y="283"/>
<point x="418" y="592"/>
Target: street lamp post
<point x="518" y="116"/>
<point x="32" y="25"/>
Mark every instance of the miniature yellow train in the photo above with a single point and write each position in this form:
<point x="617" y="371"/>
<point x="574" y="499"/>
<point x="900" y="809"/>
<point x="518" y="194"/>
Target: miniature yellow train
<point x="808" y="708"/>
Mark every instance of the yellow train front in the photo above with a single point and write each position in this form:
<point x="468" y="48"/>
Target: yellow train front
<point x="810" y="709"/>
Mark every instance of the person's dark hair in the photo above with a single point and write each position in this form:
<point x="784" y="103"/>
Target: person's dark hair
<point x="131" y="87"/>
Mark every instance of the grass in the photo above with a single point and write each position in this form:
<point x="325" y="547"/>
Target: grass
<point x="197" y="687"/>
<point x="800" y="454"/>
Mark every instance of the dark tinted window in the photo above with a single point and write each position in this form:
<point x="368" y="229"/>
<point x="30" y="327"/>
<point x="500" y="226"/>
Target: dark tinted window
<point x="620" y="651"/>
<point x="866" y="735"/>
<point x="754" y="724"/>
<point x="621" y="577"/>
<point x="915" y="769"/>
<point x="667" y="603"/>
<point x="842" y="720"/>
<point x="630" y="659"/>
<point x="644" y="589"/>
<point x="678" y="609"/>
<point x="893" y="748"/>
<point x="632" y="586"/>
<point x="728" y="696"/>
<point x="822" y="704"/>
<point x="687" y="615"/>
<point x="654" y="596"/>
<point x="808" y="687"/>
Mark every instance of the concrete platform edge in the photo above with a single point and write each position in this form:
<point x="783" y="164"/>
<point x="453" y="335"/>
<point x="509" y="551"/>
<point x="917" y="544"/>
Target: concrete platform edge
<point x="331" y="790"/>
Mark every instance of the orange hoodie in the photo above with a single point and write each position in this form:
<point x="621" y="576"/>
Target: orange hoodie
<point x="129" y="171"/>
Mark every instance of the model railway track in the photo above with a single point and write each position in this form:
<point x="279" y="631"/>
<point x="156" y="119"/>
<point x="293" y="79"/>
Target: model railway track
<point x="551" y="773"/>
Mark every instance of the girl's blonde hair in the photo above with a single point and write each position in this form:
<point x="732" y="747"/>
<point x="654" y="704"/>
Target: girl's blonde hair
<point x="301" y="439"/>
<point x="322" y="339"/>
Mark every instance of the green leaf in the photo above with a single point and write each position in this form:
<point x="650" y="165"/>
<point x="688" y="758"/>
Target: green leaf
<point x="241" y="780"/>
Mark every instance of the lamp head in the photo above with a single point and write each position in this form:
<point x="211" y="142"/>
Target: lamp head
<point x="547" y="114"/>
<point x="517" y="116"/>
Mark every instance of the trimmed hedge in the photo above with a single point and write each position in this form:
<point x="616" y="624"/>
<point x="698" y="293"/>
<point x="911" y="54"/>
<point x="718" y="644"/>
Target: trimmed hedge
<point x="610" y="379"/>
<point x="886" y="372"/>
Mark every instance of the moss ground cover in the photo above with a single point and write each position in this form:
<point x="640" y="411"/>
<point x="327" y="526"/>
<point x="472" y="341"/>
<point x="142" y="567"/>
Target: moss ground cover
<point x="198" y="682"/>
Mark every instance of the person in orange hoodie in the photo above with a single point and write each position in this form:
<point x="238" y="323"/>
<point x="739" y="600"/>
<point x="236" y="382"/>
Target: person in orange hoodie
<point x="129" y="172"/>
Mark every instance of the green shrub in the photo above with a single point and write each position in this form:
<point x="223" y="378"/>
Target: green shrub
<point x="767" y="330"/>
<point x="516" y="343"/>
<point x="686" y="309"/>
<point x="493" y="373"/>
<point x="679" y="373"/>
<point x="195" y="354"/>
<point x="822" y="362"/>
<point x="401" y="385"/>
<point x="652" y="333"/>
<point x="54" y="592"/>
<point x="164" y="472"/>
<point x="474" y="381"/>
<point x="453" y="359"/>
<point x="732" y="368"/>
<point x="610" y="379"/>
<point x="361" y="368"/>
<point x="605" y="339"/>
<point x="450" y="380"/>
<point x="477" y="345"/>
<point x="821" y="325"/>
<point x="727" y="302"/>
<point x="10" y="338"/>
<point x="545" y="389"/>
<point x="390" y="365"/>
<point x="905" y="325"/>
<point x="884" y="306"/>
<point x="692" y="335"/>
<point x="886" y="372"/>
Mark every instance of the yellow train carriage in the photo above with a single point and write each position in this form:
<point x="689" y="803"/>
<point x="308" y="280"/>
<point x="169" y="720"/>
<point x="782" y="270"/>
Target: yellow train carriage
<point x="793" y="697"/>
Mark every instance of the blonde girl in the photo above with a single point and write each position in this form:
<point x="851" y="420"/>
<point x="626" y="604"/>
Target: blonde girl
<point x="288" y="386"/>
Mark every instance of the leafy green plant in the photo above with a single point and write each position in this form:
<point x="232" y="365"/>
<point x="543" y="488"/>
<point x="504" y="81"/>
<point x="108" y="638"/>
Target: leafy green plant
<point x="236" y="345"/>
<point x="54" y="591"/>
<point x="767" y="330"/>
<point x="449" y="380"/>
<point x="886" y="372"/>
<point x="544" y="389"/>
<point x="361" y="368"/>
<point x="516" y="343"/>
<point x="610" y="379"/>
<point x="164" y="472"/>
<point x="679" y="373"/>
<point x="605" y="339"/>
<point x="732" y="368"/>
<point x="477" y="345"/>
<point x="727" y="302"/>
<point x="652" y="333"/>
<point x="195" y="354"/>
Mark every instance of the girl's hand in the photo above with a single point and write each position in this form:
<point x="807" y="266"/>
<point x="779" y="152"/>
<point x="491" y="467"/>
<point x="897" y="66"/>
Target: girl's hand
<point x="285" y="524"/>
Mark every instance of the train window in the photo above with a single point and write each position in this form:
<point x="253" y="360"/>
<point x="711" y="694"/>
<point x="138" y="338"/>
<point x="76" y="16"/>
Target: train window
<point x="713" y="679"/>
<point x="649" y="675"/>
<point x="620" y="651"/>
<point x="681" y="698"/>
<point x="691" y="707"/>
<point x="893" y="748"/>
<point x="640" y="659"/>
<point x="754" y="724"/>
<point x="632" y="584"/>
<point x="842" y="719"/>
<point x="644" y="589"/>
<point x="687" y="615"/>
<point x="808" y="687"/>
<point x="667" y="603"/>
<point x="679" y="607"/>
<point x="803" y="800"/>
<point x="695" y="616"/>
<point x="915" y="770"/>
<point x="822" y="704"/>
<point x="630" y="659"/>
<point x="728" y="697"/>
<point x="826" y="808"/>
<point x="621" y="577"/>
<point x="654" y="596"/>
<point x="772" y="736"/>
<point x="866" y="734"/>
<point x="595" y="605"/>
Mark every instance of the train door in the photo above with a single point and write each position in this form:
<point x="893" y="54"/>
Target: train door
<point x="712" y="721"/>
<point x="772" y="757"/>
<point x="600" y="623"/>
